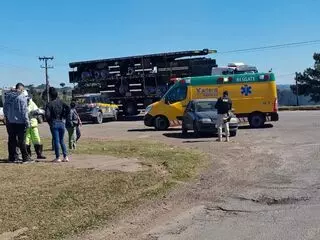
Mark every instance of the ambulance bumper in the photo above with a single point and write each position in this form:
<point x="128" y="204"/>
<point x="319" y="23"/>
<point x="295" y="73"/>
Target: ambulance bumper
<point x="148" y="120"/>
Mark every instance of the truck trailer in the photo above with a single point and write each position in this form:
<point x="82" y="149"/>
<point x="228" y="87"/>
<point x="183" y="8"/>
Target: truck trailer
<point x="134" y="82"/>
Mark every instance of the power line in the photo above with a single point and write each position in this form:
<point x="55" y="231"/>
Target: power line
<point x="45" y="59"/>
<point x="278" y="46"/>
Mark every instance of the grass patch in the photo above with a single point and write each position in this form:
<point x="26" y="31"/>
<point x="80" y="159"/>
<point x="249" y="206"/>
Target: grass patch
<point x="54" y="201"/>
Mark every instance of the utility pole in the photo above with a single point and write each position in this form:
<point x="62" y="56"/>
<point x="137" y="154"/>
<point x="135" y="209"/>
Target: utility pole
<point x="45" y="59"/>
<point x="297" y="93"/>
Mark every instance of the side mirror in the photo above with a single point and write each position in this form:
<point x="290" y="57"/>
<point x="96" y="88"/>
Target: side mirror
<point x="166" y="101"/>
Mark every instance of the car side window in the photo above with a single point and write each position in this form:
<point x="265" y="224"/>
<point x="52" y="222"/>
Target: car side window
<point x="177" y="94"/>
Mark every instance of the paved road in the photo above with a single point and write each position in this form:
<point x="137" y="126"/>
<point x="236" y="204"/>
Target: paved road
<point x="263" y="185"/>
<point x="276" y="197"/>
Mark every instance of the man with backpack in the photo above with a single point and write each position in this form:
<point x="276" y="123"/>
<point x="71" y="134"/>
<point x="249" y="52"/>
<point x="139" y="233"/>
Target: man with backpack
<point x="72" y="124"/>
<point x="223" y="106"/>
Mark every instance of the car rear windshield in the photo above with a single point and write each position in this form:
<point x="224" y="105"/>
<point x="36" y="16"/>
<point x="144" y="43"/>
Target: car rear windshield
<point x="83" y="100"/>
<point x="205" y="106"/>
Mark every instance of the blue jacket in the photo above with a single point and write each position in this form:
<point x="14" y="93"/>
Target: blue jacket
<point x="15" y="108"/>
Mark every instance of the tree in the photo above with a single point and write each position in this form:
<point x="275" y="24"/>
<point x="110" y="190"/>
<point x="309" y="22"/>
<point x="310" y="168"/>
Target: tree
<point x="308" y="82"/>
<point x="62" y="85"/>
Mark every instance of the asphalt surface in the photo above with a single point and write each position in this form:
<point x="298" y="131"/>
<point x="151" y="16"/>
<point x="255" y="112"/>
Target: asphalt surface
<point x="265" y="184"/>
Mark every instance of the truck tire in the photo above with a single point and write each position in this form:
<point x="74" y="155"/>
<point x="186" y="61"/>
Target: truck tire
<point x="130" y="109"/>
<point x="161" y="123"/>
<point x="99" y="118"/>
<point x="257" y="120"/>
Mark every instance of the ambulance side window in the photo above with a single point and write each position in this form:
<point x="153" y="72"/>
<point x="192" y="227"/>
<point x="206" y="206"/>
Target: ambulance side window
<point x="177" y="94"/>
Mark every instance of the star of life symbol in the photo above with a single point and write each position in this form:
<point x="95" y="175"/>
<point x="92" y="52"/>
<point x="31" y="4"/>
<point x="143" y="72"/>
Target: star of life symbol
<point x="246" y="90"/>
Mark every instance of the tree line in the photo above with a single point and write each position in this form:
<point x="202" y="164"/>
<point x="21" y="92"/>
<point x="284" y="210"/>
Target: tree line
<point x="308" y="82"/>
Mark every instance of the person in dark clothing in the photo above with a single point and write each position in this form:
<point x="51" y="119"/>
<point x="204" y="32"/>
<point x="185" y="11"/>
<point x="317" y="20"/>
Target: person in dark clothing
<point x="17" y="121"/>
<point x="223" y="106"/>
<point x="56" y="113"/>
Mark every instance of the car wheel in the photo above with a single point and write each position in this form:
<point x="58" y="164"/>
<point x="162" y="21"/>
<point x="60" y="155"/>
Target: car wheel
<point x="233" y="133"/>
<point x="40" y="119"/>
<point x="161" y="123"/>
<point x="99" y="118"/>
<point x="184" y="130"/>
<point x="196" y="129"/>
<point x="115" y="115"/>
<point x="257" y="120"/>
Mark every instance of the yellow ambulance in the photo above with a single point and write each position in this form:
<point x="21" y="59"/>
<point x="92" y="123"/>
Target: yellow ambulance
<point x="254" y="97"/>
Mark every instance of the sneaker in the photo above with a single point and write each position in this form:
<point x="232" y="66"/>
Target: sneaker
<point x="28" y="161"/>
<point x="57" y="160"/>
<point x="66" y="159"/>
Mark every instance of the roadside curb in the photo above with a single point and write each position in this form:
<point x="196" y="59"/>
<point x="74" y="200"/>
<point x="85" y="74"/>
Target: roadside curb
<point x="299" y="108"/>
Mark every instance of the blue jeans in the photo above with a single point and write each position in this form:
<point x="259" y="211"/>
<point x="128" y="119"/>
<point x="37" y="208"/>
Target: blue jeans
<point x="58" y="130"/>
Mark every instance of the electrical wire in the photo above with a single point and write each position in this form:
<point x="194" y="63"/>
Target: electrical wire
<point x="278" y="46"/>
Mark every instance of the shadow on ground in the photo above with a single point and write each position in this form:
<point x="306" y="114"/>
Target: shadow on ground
<point x="248" y="127"/>
<point x="130" y="118"/>
<point x="153" y="130"/>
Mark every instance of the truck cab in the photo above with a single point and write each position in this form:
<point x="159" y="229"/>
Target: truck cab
<point x="234" y="68"/>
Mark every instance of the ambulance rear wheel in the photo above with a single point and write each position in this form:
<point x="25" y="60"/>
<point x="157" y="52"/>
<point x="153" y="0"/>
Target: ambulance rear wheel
<point x="257" y="120"/>
<point x="161" y="123"/>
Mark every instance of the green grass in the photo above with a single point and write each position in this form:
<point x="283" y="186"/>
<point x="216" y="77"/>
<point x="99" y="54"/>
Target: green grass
<point x="54" y="201"/>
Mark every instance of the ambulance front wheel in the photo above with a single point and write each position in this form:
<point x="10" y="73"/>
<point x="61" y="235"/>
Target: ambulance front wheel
<point x="161" y="123"/>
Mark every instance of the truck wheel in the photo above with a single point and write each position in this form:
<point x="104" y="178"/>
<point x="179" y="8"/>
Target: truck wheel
<point x="161" y="123"/>
<point x="130" y="109"/>
<point x="99" y="118"/>
<point x="257" y="120"/>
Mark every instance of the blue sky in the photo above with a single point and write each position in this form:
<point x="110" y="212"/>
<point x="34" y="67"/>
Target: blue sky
<point x="83" y="30"/>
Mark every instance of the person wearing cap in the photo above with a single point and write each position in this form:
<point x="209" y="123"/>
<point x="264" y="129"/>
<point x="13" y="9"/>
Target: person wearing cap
<point x="17" y="121"/>
<point x="32" y="134"/>
<point x="223" y="106"/>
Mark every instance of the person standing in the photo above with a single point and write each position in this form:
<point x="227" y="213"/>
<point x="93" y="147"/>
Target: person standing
<point x="72" y="123"/>
<point x="56" y="114"/>
<point x="32" y="135"/>
<point x="223" y="106"/>
<point x="17" y="121"/>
